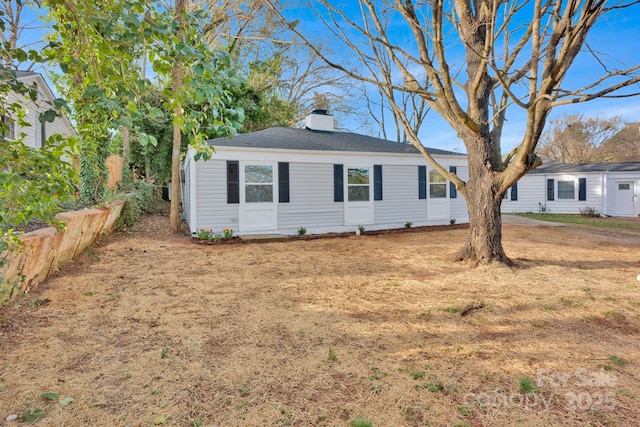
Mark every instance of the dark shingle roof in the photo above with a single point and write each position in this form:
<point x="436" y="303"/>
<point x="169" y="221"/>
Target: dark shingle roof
<point x="556" y="167"/>
<point x="305" y="139"/>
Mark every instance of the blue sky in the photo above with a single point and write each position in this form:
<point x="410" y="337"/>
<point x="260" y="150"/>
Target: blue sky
<point x="615" y="37"/>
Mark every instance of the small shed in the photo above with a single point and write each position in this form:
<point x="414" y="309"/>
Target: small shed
<point x="608" y="188"/>
<point x="278" y="180"/>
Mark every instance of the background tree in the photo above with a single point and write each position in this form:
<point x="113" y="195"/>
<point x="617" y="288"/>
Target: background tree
<point x="624" y="146"/>
<point x="473" y="62"/>
<point x="576" y="139"/>
<point x="103" y="48"/>
<point x="285" y="79"/>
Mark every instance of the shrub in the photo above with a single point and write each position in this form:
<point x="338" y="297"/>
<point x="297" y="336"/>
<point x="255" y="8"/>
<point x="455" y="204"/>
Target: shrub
<point x="138" y="198"/>
<point x="302" y="231"/>
<point x="589" y="211"/>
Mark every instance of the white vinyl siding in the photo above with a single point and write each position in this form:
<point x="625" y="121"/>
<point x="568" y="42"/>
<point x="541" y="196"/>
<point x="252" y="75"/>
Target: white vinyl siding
<point x="400" y="203"/>
<point x="311" y="202"/>
<point x="212" y="209"/>
<point x="311" y="191"/>
<point x="531" y="195"/>
<point x="33" y="133"/>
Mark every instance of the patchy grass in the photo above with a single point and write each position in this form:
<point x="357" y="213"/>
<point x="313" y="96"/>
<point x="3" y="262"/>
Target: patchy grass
<point x="598" y="222"/>
<point x="356" y="331"/>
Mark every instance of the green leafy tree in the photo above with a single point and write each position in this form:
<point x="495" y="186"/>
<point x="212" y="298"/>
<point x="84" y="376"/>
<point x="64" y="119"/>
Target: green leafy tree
<point x="103" y="48"/>
<point x="35" y="182"/>
<point x="260" y="97"/>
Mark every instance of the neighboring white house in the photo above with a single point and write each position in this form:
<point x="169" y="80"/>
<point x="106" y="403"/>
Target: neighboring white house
<point x="609" y="188"/>
<point x="280" y="179"/>
<point x="39" y="131"/>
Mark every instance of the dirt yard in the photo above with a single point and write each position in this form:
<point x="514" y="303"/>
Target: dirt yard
<point x="147" y="328"/>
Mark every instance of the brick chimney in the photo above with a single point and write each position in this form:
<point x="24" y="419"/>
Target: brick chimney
<point x="319" y="120"/>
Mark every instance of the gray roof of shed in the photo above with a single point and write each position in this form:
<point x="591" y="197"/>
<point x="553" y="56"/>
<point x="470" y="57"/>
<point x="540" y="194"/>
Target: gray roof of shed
<point x="557" y="167"/>
<point x="21" y="73"/>
<point x="305" y="139"/>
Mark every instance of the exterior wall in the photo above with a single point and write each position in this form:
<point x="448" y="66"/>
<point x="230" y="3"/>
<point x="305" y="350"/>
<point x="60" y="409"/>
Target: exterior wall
<point x="209" y="207"/>
<point x="601" y="187"/>
<point x="311" y="190"/>
<point x="33" y="133"/>
<point x="312" y="205"/>
<point x="531" y="196"/>
<point x="611" y="183"/>
<point x="400" y="203"/>
<point x="595" y="196"/>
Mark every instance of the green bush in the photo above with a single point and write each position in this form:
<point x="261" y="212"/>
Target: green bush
<point x="138" y="199"/>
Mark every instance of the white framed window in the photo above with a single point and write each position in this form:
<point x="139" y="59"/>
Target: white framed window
<point x="9" y="129"/>
<point x="358" y="184"/>
<point x="437" y="185"/>
<point x="566" y="190"/>
<point x="258" y="183"/>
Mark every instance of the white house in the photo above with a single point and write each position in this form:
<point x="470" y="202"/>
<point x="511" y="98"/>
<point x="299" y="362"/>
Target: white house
<point x="38" y="131"/>
<point x="609" y="188"/>
<point x="280" y="179"/>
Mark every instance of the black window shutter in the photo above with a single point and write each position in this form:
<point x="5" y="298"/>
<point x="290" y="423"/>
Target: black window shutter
<point x="550" y="185"/>
<point x="377" y="182"/>
<point x="422" y="182"/>
<point x="453" y="191"/>
<point x="582" y="192"/>
<point x="338" y="183"/>
<point x="233" y="181"/>
<point x="283" y="182"/>
<point x="514" y="192"/>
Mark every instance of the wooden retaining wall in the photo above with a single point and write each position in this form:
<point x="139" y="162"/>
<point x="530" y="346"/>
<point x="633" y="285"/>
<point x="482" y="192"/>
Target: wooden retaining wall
<point x="46" y="249"/>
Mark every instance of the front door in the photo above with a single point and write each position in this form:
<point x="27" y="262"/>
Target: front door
<point x="438" y="204"/>
<point x="358" y="207"/>
<point x="258" y="207"/>
<point x="624" y="199"/>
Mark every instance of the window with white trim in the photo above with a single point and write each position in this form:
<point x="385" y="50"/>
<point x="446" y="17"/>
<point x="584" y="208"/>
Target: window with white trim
<point x="258" y="183"/>
<point x="358" y="184"/>
<point x="8" y="130"/>
<point x="566" y="190"/>
<point x="437" y="185"/>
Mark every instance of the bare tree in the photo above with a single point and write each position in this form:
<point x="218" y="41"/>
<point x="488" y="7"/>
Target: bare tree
<point x="576" y="139"/>
<point x="472" y="62"/>
<point x="624" y="146"/>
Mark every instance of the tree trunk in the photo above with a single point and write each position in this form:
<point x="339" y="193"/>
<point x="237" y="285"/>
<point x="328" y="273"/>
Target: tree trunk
<point x="174" y="217"/>
<point x="484" y="201"/>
